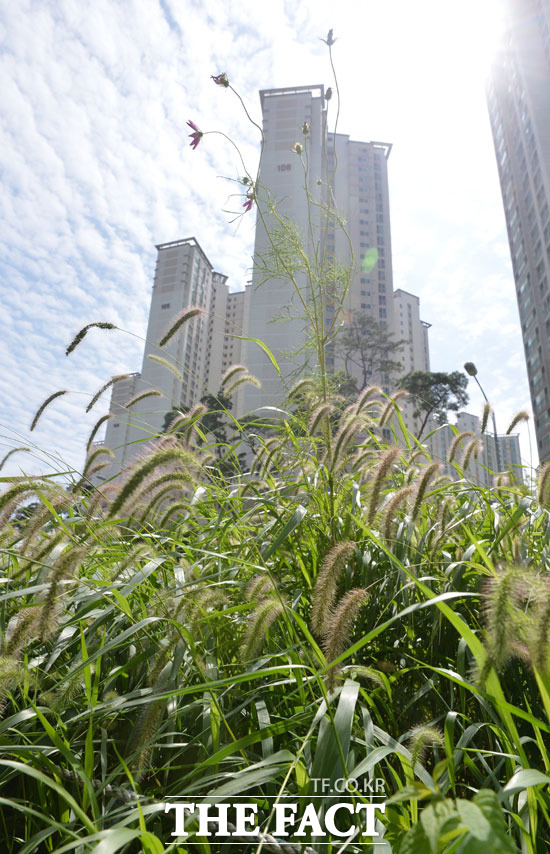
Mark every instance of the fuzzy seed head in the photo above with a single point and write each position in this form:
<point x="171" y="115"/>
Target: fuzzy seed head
<point x="380" y="473"/>
<point x="326" y="584"/>
<point x="423" y="737"/>
<point x="340" y="626"/>
<point x="183" y="317"/>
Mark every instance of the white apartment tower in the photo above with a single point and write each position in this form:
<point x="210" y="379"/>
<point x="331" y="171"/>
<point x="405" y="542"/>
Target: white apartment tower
<point x="414" y="353"/>
<point x="481" y="468"/>
<point x="199" y="352"/>
<point x="342" y="175"/>
<point x="518" y="97"/>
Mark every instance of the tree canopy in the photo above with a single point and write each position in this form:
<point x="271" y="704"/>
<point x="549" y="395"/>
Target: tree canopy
<point x="368" y="349"/>
<point x="435" y="394"/>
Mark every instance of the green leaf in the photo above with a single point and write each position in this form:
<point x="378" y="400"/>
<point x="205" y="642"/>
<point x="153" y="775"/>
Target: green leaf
<point x="501" y="842"/>
<point x="292" y="523"/>
<point x="411" y="792"/>
<point x="434" y="818"/>
<point x="525" y="778"/>
<point x="473" y="819"/>
<point x="415" y="841"/>
<point x="260" y="344"/>
<point x="334" y="736"/>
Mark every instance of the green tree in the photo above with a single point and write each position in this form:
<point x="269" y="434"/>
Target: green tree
<point x="435" y="394"/>
<point x="220" y="430"/>
<point x="368" y="349"/>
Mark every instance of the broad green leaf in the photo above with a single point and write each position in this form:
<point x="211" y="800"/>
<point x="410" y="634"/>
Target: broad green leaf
<point x="525" y="778"/>
<point x="415" y="841"/>
<point x="473" y="819"/>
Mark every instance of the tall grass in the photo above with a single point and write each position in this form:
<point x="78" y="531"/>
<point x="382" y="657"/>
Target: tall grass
<point x="340" y="611"/>
<point x="143" y="661"/>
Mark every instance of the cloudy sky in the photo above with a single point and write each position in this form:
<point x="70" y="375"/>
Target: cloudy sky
<point x="96" y="170"/>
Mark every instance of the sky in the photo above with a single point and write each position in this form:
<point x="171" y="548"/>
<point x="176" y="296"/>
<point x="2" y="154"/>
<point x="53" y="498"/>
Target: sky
<point x="97" y="169"/>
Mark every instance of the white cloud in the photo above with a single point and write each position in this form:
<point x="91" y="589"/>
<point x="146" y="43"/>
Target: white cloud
<point x="97" y="170"/>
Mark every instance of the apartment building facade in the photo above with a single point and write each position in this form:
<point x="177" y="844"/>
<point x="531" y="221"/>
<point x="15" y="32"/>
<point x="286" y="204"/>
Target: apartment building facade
<point x="518" y="96"/>
<point x="177" y="374"/>
<point x="334" y="190"/>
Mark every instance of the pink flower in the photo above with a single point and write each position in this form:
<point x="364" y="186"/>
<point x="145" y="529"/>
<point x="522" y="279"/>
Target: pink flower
<point x="248" y="204"/>
<point x="220" y="79"/>
<point x="195" y="136"/>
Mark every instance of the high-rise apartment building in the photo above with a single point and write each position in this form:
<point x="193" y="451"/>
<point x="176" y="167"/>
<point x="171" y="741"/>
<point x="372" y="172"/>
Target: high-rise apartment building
<point x="332" y="174"/>
<point x="198" y="353"/>
<point x="481" y="468"/>
<point x="518" y="96"/>
<point x="414" y="353"/>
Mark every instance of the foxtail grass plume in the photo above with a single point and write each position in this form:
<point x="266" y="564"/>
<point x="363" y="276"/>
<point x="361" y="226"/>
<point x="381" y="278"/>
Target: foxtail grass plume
<point x="502" y="616"/>
<point x="230" y="373"/>
<point x="46" y="403"/>
<point x="94" y="456"/>
<point x="12" y="674"/>
<point x="391" y="508"/>
<point x="177" y="423"/>
<point x="380" y="473"/>
<point x="539" y="631"/>
<point x="21" y="629"/>
<point x="103" y="388"/>
<point x="153" y="392"/>
<point x="422" y="737"/>
<point x="519" y="417"/>
<point x="43" y="515"/>
<point x="193" y="417"/>
<point x="181" y="507"/>
<point x="148" y="464"/>
<point x="9" y="454"/>
<point x="367" y="395"/>
<point x="143" y="737"/>
<point x="362" y="672"/>
<point x="301" y="387"/>
<point x="392" y="406"/>
<point x="340" y="626"/>
<point x="207" y="599"/>
<point x="96" y="427"/>
<point x="263" y="616"/>
<point x="320" y="413"/>
<point x="266" y="454"/>
<point x="154" y="489"/>
<point x="259" y="587"/>
<point x="63" y="568"/>
<point x="63" y="694"/>
<point x="474" y="449"/>
<point x="83" y="332"/>
<point x="239" y="380"/>
<point x="418" y="454"/>
<point x="422" y="487"/>
<point x="543" y="486"/>
<point x="326" y="584"/>
<point x="457" y="442"/>
<point x="183" y="317"/>
<point x="485" y="417"/>
<point x="165" y="363"/>
<point x="16" y="494"/>
<point x="44" y="548"/>
<point x="343" y="438"/>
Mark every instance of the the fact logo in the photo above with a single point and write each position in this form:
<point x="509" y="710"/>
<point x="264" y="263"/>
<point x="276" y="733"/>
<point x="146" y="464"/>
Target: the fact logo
<point x="288" y="818"/>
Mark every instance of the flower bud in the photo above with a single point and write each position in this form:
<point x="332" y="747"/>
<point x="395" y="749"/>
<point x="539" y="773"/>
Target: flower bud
<point x="220" y="79"/>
